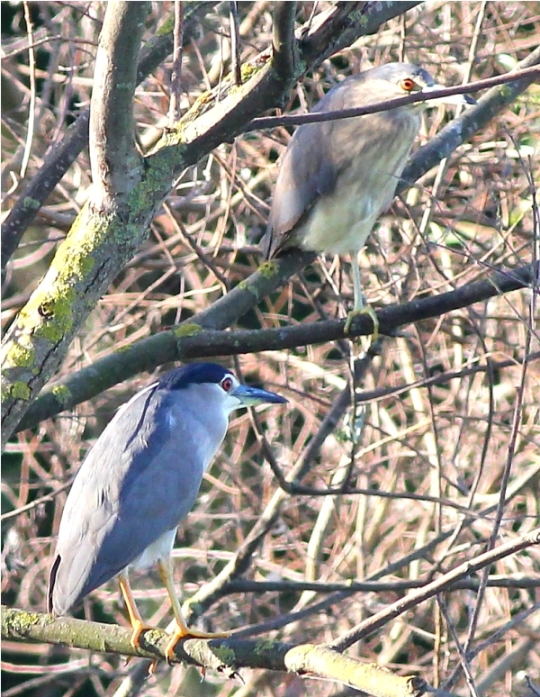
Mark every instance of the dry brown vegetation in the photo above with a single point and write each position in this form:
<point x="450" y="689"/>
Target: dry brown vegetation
<point x="441" y="461"/>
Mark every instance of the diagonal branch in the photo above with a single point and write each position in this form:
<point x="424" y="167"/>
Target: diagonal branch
<point x="190" y="339"/>
<point x="431" y="589"/>
<point x="471" y="121"/>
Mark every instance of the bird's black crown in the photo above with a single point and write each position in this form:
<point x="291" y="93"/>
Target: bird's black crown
<point x="193" y="373"/>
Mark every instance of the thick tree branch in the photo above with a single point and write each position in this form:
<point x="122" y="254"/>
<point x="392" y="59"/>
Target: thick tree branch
<point x="100" y="240"/>
<point x="224" y="655"/>
<point x="116" y="164"/>
<point x="190" y="340"/>
<point x="284" y="48"/>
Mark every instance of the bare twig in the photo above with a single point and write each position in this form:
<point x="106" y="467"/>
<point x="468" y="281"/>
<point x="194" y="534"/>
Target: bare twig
<point x="435" y="587"/>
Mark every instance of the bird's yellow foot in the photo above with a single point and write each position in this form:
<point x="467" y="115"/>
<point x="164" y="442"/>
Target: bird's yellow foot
<point x="182" y="632"/>
<point x="367" y="310"/>
<point x="138" y="629"/>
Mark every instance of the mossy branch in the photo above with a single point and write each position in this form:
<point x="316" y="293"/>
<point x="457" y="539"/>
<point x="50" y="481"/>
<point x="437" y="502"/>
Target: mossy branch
<point x="226" y="656"/>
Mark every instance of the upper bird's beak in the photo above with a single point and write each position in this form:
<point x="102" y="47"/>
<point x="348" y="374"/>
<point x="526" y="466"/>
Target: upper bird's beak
<point x="460" y="99"/>
<point x="249" y="396"/>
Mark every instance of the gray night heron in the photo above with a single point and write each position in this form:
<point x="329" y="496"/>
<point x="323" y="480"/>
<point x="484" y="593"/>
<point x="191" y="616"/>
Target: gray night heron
<point x="337" y="177"/>
<point x="139" y="481"/>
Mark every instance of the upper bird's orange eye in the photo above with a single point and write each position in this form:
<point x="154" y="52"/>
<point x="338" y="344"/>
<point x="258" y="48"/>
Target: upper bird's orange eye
<point x="408" y="84"/>
<point x="227" y="384"/>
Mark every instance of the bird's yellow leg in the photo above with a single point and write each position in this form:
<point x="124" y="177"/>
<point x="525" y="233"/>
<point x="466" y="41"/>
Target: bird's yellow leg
<point x="359" y="307"/>
<point x="182" y="630"/>
<point x="135" y="619"/>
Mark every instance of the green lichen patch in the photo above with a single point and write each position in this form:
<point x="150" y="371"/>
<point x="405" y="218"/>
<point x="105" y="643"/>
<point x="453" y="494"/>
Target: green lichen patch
<point x="31" y="203"/>
<point x="166" y="27"/>
<point x="268" y="269"/>
<point x="187" y="330"/>
<point x="19" y="622"/>
<point x="20" y="356"/>
<point x="62" y="394"/>
<point x="162" y="162"/>
<point x="59" y="321"/>
<point x="19" y="390"/>
<point x="226" y="654"/>
<point x="262" y="646"/>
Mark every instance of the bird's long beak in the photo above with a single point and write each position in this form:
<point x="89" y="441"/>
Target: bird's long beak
<point x="249" y="396"/>
<point x="462" y="99"/>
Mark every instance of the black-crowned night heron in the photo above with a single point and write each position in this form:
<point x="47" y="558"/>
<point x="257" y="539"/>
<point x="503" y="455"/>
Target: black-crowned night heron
<point x="337" y="177"/>
<point x="139" y="481"/>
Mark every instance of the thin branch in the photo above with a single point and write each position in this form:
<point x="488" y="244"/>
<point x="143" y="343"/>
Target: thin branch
<point x="244" y="586"/>
<point x="176" y="75"/>
<point x="431" y="589"/>
<point x="529" y="75"/>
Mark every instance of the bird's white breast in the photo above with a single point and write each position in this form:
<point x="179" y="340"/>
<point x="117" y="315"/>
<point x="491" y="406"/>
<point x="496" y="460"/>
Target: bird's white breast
<point x="340" y="223"/>
<point x="341" y="220"/>
<point x="159" y="549"/>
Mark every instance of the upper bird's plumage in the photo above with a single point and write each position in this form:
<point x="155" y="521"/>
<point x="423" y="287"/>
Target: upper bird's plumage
<point x="141" y="478"/>
<point x="337" y="177"/>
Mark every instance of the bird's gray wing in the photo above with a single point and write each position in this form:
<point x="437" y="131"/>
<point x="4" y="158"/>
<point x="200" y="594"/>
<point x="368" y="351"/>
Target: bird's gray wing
<point x="136" y="483"/>
<point x="306" y="173"/>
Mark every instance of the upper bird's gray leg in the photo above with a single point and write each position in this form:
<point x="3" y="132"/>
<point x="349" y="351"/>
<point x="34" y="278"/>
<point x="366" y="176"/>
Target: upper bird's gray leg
<point x="359" y="307"/>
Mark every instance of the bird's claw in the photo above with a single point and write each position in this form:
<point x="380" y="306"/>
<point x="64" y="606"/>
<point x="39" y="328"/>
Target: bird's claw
<point x="138" y="629"/>
<point x="367" y="310"/>
<point x="186" y="633"/>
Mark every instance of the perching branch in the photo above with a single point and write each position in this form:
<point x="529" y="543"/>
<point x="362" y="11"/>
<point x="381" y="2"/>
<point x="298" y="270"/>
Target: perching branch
<point x="191" y="339"/>
<point x="224" y="655"/>
<point x="232" y="654"/>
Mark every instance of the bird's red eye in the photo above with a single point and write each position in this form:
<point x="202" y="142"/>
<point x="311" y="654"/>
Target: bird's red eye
<point x="227" y="384"/>
<point x="408" y="84"/>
